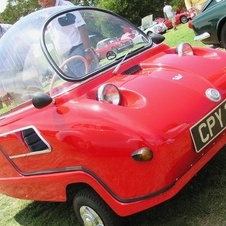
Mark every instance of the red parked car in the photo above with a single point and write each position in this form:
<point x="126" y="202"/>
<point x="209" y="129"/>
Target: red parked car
<point x="112" y="44"/>
<point x="123" y="136"/>
<point x="181" y="18"/>
<point x="106" y="45"/>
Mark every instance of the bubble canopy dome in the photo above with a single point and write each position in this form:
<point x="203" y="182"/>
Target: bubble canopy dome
<point x="36" y="53"/>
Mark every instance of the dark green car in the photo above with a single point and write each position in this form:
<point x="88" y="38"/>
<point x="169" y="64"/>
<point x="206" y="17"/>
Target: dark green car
<point x="210" y="25"/>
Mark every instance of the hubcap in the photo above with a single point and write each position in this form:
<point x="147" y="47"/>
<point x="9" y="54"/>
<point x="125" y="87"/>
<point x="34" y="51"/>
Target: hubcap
<point x="90" y="217"/>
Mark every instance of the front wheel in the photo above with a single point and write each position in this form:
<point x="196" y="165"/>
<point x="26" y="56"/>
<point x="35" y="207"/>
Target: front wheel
<point x="183" y="19"/>
<point x="91" y="210"/>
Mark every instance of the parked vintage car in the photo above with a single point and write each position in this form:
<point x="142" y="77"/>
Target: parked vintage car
<point x="156" y="28"/>
<point x="210" y="25"/>
<point x="181" y="18"/>
<point x="148" y="26"/>
<point x="113" y="44"/>
<point x="123" y="134"/>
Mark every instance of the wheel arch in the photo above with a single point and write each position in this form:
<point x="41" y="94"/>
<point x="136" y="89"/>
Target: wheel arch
<point x="74" y="188"/>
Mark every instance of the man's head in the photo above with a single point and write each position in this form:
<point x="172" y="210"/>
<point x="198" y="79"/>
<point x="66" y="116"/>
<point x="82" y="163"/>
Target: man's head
<point x="47" y="3"/>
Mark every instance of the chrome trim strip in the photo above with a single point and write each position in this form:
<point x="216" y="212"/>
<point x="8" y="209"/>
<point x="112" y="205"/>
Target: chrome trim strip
<point x="30" y="154"/>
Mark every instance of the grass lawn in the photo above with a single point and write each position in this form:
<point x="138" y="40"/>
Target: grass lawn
<point x="183" y="34"/>
<point x="202" y="202"/>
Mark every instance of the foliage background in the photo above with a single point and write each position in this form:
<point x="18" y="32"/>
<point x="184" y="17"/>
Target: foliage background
<point x="132" y="10"/>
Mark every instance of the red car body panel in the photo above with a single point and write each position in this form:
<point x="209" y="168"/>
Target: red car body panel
<point x="56" y="175"/>
<point x="91" y="142"/>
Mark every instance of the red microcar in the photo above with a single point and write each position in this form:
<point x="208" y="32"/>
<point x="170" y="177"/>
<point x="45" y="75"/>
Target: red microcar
<point x="122" y="134"/>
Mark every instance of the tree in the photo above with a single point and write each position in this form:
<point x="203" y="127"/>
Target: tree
<point x="17" y="9"/>
<point x="133" y="10"/>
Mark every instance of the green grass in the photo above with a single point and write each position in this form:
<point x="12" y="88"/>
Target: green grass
<point x="183" y="34"/>
<point x="200" y="203"/>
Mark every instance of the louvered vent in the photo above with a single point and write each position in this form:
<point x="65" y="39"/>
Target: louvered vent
<point x="132" y="70"/>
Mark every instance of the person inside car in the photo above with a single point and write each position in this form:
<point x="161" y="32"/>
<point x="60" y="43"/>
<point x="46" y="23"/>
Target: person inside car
<point x="72" y="39"/>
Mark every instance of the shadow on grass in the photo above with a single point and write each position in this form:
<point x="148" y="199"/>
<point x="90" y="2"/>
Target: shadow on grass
<point x="201" y="202"/>
<point x="47" y="213"/>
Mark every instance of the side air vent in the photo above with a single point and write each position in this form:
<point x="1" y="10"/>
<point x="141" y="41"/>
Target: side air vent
<point x="33" y="141"/>
<point x="132" y="70"/>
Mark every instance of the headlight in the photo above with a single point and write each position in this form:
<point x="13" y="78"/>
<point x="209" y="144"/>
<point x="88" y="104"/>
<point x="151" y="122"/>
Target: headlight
<point x="109" y="93"/>
<point x="184" y="49"/>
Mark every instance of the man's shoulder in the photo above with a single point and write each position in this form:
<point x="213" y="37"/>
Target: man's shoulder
<point x="63" y="2"/>
<point x="165" y="7"/>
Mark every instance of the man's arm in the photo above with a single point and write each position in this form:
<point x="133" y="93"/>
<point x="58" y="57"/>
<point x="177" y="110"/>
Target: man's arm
<point x="89" y="54"/>
<point x="85" y="37"/>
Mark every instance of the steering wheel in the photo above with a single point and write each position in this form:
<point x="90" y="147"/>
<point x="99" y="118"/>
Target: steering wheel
<point x="76" y="57"/>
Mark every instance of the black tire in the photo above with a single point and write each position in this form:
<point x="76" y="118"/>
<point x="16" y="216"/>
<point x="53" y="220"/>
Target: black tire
<point x="183" y="19"/>
<point x="223" y="36"/>
<point x="89" y="205"/>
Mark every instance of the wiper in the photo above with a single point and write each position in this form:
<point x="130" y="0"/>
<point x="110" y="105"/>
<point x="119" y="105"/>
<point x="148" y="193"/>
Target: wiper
<point x="119" y="65"/>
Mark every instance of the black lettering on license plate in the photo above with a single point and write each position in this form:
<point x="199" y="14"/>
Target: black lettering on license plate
<point x="209" y="127"/>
